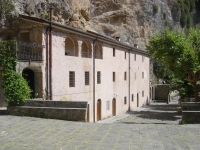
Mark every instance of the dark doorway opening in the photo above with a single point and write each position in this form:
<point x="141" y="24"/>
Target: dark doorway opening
<point x="114" y="107"/>
<point x="29" y="76"/>
<point x="137" y="100"/>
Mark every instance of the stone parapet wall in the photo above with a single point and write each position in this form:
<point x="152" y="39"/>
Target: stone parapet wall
<point x="50" y="103"/>
<point x="190" y="112"/>
<point x="64" y="110"/>
<point x="161" y="92"/>
<point x="78" y="114"/>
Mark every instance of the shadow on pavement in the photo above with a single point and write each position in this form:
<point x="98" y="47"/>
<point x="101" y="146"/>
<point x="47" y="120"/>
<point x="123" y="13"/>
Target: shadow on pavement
<point x="156" y="113"/>
<point x="162" y="116"/>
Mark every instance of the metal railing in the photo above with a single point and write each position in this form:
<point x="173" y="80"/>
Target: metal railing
<point x="29" y="51"/>
<point x="71" y="53"/>
<point x="86" y="54"/>
<point x="98" y="56"/>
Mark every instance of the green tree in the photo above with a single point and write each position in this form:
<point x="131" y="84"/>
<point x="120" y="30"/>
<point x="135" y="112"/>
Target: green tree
<point x="6" y="7"/>
<point x="179" y="54"/>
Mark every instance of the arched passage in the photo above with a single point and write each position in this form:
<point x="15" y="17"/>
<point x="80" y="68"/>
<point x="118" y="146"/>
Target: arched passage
<point x="28" y="74"/>
<point x="86" y="50"/>
<point x="98" y="51"/>
<point x="71" y="46"/>
<point x="98" y="110"/>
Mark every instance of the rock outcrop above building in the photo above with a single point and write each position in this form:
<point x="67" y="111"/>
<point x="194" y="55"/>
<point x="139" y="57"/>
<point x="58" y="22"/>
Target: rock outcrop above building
<point x="134" y="21"/>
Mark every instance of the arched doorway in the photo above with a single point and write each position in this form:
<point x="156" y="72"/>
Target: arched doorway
<point x="28" y="74"/>
<point x="98" y="110"/>
<point x="114" y="107"/>
<point x="137" y="100"/>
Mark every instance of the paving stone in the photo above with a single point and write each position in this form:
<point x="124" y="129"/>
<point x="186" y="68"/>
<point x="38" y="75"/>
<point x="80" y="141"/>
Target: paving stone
<point x="133" y="132"/>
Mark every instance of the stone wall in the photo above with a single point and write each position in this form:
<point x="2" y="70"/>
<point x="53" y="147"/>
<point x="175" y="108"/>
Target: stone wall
<point x="190" y="112"/>
<point x="161" y="91"/>
<point x="64" y="110"/>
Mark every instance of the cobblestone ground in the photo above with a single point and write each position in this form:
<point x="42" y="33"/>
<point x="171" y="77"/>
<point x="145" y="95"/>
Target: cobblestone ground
<point x="153" y="128"/>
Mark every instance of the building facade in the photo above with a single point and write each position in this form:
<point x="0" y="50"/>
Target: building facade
<point x="62" y="63"/>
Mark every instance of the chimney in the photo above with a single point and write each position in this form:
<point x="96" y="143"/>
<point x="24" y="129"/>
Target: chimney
<point x="118" y="38"/>
<point x="135" y="45"/>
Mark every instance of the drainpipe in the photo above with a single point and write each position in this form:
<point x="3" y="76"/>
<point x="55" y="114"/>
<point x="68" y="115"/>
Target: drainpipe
<point x="47" y="64"/>
<point x="93" y="59"/>
<point x="50" y="52"/>
<point x="129" y="78"/>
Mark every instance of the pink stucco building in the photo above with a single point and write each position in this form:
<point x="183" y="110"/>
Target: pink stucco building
<point x="63" y="63"/>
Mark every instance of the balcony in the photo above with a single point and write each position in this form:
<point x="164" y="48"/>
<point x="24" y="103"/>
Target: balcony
<point x="29" y="51"/>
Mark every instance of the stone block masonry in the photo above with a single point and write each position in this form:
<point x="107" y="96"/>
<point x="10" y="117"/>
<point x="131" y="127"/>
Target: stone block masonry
<point x="64" y="110"/>
<point x="190" y="112"/>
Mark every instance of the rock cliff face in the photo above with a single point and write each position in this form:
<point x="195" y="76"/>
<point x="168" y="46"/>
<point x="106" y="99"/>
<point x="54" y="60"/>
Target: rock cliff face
<point x="133" y="21"/>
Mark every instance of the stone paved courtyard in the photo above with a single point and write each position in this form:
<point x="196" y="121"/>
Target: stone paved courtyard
<point x="155" y="127"/>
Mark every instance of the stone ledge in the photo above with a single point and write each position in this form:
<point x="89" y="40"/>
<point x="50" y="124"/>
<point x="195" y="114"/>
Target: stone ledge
<point x="50" y="108"/>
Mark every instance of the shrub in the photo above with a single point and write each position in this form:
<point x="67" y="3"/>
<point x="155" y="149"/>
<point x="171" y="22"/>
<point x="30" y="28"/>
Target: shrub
<point x="155" y="9"/>
<point x="6" y="7"/>
<point x="16" y="89"/>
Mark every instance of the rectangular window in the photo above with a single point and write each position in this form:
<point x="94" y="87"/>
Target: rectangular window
<point x="71" y="79"/>
<point x="107" y="105"/>
<point x="125" y="55"/>
<point x="142" y="93"/>
<point x="142" y="58"/>
<point x="113" y="52"/>
<point x="113" y="76"/>
<point x="98" y="77"/>
<point x="124" y="75"/>
<point x="142" y="75"/>
<point x="124" y="100"/>
<point x="135" y="57"/>
<point x="87" y="78"/>
<point x="132" y="97"/>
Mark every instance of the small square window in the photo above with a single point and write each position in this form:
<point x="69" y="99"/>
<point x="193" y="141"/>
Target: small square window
<point x="113" y="52"/>
<point x="125" y="100"/>
<point x="135" y="76"/>
<point x="107" y="105"/>
<point x="87" y="78"/>
<point x="132" y="97"/>
<point x="71" y="79"/>
<point x="113" y="76"/>
<point x="125" y="55"/>
<point x="124" y="75"/>
<point x="142" y="58"/>
<point x="98" y="77"/>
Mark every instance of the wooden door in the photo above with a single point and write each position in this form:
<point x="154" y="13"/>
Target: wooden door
<point x="98" y="110"/>
<point x="88" y="113"/>
<point x="137" y="100"/>
<point x="114" y="107"/>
